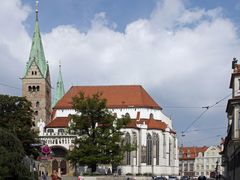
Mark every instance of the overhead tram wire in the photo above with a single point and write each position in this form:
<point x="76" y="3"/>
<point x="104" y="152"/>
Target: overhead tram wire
<point x="187" y="107"/>
<point x="206" y="109"/>
<point x="195" y="120"/>
<point x="6" y="85"/>
<point x="203" y="139"/>
<point x="206" y="129"/>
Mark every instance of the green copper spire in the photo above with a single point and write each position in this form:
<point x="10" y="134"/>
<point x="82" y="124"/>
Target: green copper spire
<point x="37" y="52"/>
<point x="59" y="89"/>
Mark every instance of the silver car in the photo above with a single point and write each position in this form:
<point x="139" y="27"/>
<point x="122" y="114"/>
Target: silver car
<point x="172" y="178"/>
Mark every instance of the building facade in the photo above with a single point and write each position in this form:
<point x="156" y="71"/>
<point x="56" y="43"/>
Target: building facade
<point x="208" y="163"/>
<point x="187" y="156"/>
<point x="149" y="128"/>
<point x="231" y="150"/>
<point x="196" y="161"/>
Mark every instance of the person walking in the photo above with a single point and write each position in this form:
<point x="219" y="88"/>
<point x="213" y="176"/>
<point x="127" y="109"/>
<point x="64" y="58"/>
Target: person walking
<point x="54" y="175"/>
<point x="59" y="174"/>
<point x="80" y="178"/>
<point x="44" y="176"/>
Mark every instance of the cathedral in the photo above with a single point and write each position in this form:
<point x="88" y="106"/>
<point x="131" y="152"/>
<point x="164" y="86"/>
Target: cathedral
<point x="150" y="129"/>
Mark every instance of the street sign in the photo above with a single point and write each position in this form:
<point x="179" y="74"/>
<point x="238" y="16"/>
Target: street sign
<point x="36" y="145"/>
<point x="45" y="149"/>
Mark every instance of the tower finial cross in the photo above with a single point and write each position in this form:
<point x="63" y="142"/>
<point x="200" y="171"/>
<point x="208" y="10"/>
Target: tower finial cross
<point x="37" y="2"/>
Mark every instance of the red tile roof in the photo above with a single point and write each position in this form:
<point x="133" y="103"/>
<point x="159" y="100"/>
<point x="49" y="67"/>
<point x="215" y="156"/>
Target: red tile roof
<point x="58" y="122"/>
<point x="152" y="124"/>
<point x="119" y="96"/>
<point x="190" y="152"/>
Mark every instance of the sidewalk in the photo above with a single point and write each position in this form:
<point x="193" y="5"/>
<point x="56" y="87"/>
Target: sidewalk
<point x="104" y="178"/>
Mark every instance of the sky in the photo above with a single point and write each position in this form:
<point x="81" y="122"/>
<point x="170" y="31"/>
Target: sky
<point x="180" y="51"/>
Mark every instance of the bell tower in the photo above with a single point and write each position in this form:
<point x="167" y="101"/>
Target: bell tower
<point x="36" y="85"/>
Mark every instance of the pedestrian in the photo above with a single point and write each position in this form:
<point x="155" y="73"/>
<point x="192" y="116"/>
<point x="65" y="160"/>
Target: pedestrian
<point x="54" y="175"/>
<point x="44" y="177"/>
<point x="80" y="178"/>
<point x="59" y="174"/>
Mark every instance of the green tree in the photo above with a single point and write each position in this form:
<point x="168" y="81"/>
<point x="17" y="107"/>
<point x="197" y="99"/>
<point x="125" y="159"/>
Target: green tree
<point x="11" y="157"/>
<point x="99" y="137"/>
<point x="16" y="117"/>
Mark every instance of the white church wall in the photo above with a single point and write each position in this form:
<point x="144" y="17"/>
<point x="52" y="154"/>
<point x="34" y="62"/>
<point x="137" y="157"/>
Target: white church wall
<point x="144" y="113"/>
<point x="64" y="112"/>
<point x="140" y="134"/>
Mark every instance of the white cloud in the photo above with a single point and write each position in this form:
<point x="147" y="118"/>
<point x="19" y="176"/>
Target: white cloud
<point x="178" y="63"/>
<point x="171" y="59"/>
<point x="14" y="44"/>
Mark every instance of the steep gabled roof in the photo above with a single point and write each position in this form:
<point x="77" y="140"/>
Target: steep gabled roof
<point x="118" y="96"/>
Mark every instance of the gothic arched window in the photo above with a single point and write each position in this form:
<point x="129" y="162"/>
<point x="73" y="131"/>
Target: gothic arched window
<point x="34" y="88"/>
<point x="29" y="88"/>
<point x="170" y="151"/>
<point x="164" y="146"/>
<point x="157" y="149"/>
<point x="149" y="149"/>
<point x="38" y="88"/>
<point x="128" y="153"/>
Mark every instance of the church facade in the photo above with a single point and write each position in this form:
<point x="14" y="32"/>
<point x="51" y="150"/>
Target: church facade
<point x="150" y="129"/>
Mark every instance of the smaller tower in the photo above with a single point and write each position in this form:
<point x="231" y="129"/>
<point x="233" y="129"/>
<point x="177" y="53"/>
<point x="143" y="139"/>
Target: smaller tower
<point x="59" y="93"/>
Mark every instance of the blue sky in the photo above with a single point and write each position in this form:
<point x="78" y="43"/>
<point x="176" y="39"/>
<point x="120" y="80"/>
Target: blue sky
<point x="81" y="12"/>
<point x="179" y="50"/>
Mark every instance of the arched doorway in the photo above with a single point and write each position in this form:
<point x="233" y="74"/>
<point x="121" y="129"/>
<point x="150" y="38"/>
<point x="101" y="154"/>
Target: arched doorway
<point x="60" y="154"/>
<point x="54" y="165"/>
<point x="59" y="151"/>
<point x="63" y="166"/>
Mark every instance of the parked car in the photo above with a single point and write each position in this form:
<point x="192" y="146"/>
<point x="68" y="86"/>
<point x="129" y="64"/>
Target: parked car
<point x="159" y="178"/>
<point x="202" y="178"/>
<point x="185" y="178"/>
<point x="172" y="178"/>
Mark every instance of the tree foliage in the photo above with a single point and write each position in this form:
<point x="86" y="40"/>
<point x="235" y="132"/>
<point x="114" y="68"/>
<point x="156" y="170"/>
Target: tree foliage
<point x="16" y="117"/>
<point x="11" y="157"/>
<point x="99" y="137"/>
